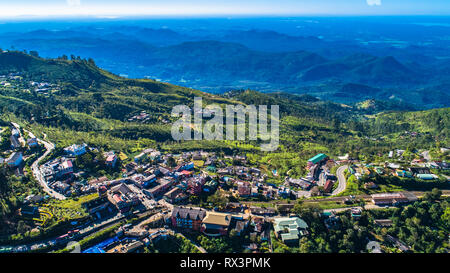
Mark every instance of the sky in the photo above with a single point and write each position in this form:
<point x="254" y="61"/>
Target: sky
<point x="111" y="8"/>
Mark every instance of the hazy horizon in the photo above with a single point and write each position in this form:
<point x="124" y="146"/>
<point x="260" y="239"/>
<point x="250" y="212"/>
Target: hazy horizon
<point x="113" y="8"/>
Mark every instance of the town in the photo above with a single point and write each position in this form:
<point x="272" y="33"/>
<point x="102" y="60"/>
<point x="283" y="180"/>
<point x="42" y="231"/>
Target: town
<point x="199" y="193"/>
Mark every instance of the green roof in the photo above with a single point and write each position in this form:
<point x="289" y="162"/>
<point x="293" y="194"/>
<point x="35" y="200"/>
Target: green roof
<point x="289" y="223"/>
<point x="317" y="158"/>
<point x="425" y="176"/>
<point x="289" y="236"/>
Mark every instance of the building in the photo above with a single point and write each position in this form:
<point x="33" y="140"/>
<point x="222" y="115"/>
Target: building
<point x="216" y="224"/>
<point x="66" y="167"/>
<point x="15" y="159"/>
<point x="328" y="186"/>
<point x="123" y="197"/>
<point x="289" y="230"/>
<point x="15" y="132"/>
<point x="15" y="144"/>
<point x="403" y="173"/>
<point x="32" y="142"/>
<point x="426" y="176"/>
<point x="300" y="183"/>
<point x="317" y="159"/>
<point x="263" y="211"/>
<point x="76" y="149"/>
<point x="393" y="198"/>
<point x="111" y="160"/>
<point x="187" y="218"/>
<point x="244" y="189"/>
<point x="162" y="185"/>
<point x="175" y="195"/>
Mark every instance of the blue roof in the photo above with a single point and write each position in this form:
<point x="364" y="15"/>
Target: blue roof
<point x="317" y="158"/>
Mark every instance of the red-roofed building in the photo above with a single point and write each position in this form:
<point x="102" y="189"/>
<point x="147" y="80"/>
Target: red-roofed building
<point x="328" y="186"/>
<point x="186" y="173"/>
<point x="111" y="160"/>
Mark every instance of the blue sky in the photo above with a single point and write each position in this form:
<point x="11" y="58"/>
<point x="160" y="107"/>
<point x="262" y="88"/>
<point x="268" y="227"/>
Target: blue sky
<point x="13" y="8"/>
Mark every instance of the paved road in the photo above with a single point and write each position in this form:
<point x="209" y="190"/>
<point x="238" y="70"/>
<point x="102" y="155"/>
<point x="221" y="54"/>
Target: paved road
<point x="341" y="179"/>
<point x="322" y="180"/>
<point x="35" y="168"/>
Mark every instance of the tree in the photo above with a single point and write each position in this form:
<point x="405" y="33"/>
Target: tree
<point x="21" y="227"/>
<point x="171" y="162"/>
<point x="434" y="195"/>
<point x="33" y="53"/>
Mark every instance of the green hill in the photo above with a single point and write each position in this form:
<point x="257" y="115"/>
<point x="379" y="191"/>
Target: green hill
<point x="87" y="104"/>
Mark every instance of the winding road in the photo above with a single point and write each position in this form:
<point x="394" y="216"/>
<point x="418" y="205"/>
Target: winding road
<point x="341" y="179"/>
<point x="35" y="166"/>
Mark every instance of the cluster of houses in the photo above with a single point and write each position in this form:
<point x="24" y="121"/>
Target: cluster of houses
<point x="15" y="80"/>
<point x="235" y="218"/>
<point x="62" y="175"/>
<point x="141" y="117"/>
<point x="418" y="170"/>
<point x="8" y="80"/>
<point x="19" y="146"/>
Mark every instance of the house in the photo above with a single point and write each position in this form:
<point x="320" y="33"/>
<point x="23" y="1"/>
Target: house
<point x="426" y="176"/>
<point x="32" y="142"/>
<point x="403" y="173"/>
<point x="263" y="211"/>
<point x="355" y="212"/>
<point x="61" y="187"/>
<point x="194" y="185"/>
<point x="15" y="144"/>
<point x="149" y="180"/>
<point x="98" y="180"/>
<point x="76" y="149"/>
<point x="289" y="230"/>
<point x="111" y="160"/>
<point x="162" y="185"/>
<point x="29" y="211"/>
<point x="15" y="159"/>
<point x="216" y="224"/>
<point x="66" y="167"/>
<point x="175" y="195"/>
<point x="15" y="132"/>
<point x="123" y="197"/>
<point x="370" y="185"/>
<point x="233" y="207"/>
<point x="328" y="186"/>
<point x="419" y="170"/>
<point x="187" y="218"/>
<point x="164" y="171"/>
<point x="244" y="189"/>
<point x="331" y="221"/>
<point x="34" y="198"/>
<point x="302" y="183"/>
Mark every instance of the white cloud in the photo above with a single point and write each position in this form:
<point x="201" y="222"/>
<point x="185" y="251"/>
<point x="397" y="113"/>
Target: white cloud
<point x="73" y="3"/>
<point x="374" y="2"/>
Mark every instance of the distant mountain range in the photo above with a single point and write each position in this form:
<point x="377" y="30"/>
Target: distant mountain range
<point x="257" y="59"/>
